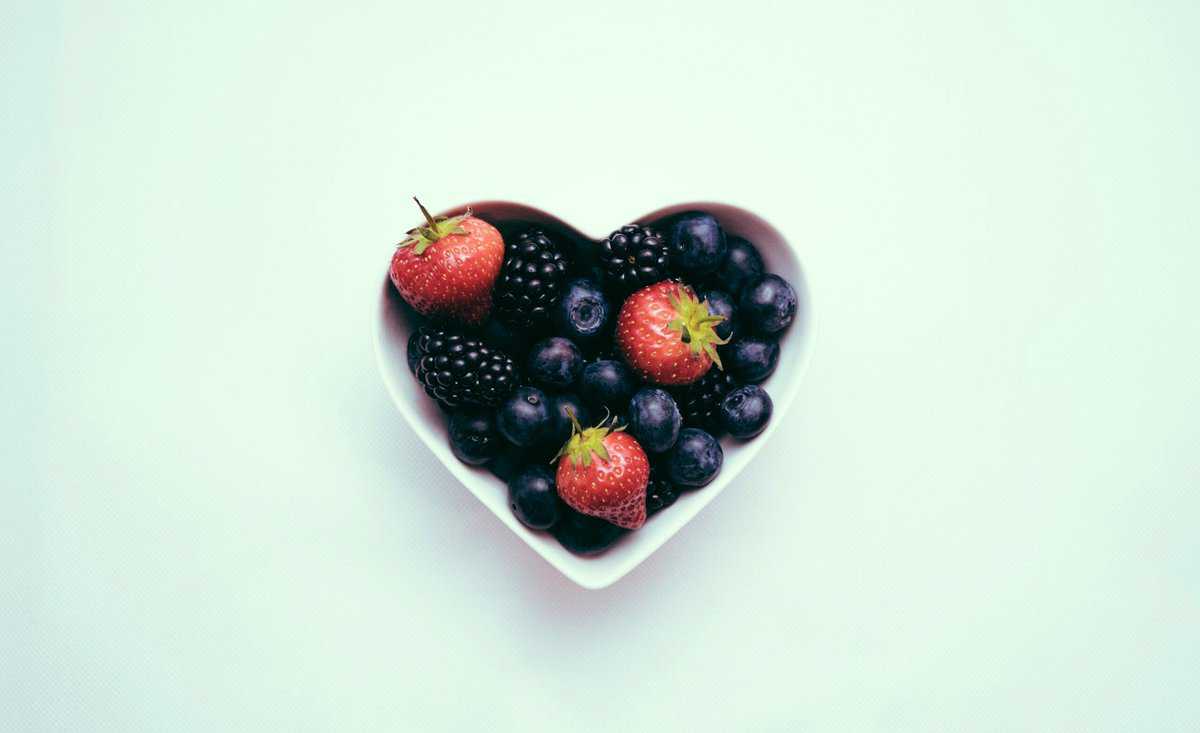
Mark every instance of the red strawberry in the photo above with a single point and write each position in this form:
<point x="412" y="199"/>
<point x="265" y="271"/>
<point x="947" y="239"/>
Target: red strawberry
<point x="666" y="334"/>
<point x="603" y="472"/>
<point x="448" y="266"/>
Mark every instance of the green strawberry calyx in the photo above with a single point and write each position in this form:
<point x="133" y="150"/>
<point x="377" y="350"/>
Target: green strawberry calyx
<point x="434" y="228"/>
<point x="695" y="324"/>
<point x="586" y="441"/>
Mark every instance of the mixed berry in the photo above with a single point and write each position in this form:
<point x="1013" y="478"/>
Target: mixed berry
<point x="594" y="379"/>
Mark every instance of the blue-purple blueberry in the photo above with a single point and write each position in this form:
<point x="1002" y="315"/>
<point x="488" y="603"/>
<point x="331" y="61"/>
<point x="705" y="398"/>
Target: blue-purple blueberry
<point x="555" y="363"/>
<point x="654" y="419"/>
<point x="524" y="418"/>
<point x="751" y="358"/>
<point x="474" y="439"/>
<point x="696" y="458"/>
<point x="742" y="263"/>
<point x="607" y="383"/>
<point x="768" y="304"/>
<point x="583" y="312"/>
<point x="696" y="243"/>
<point x="746" y="411"/>
<point x="534" y="498"/>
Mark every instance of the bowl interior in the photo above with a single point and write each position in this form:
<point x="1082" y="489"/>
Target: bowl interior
<point x="394" y="322"/>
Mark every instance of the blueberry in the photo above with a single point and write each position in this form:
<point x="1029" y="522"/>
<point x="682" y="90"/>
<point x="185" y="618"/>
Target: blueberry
<point x="585" y="535"/>
<point x="654" y="419"/>
<point x="555" y="363"/>
<point x="524" y="418"/>
<point x="768" y="304"/>
<point x="696" y="458"/>
<point x="564" y="405"/>
<point x="533" y="497"/>
<point x="720" y="303"/>
<point x="473" y="436"/>
<point x="583" y="312"/>
<point x="607" y="383"/>
<point x="742" y="264"/>
<point x="751" y="359"/>
<point x="746" y="411"/>
<point x="509" y="461"/>
<point x="697" y="244"/>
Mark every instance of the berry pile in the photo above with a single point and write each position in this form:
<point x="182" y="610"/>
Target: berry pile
<point x="593" y="378"/>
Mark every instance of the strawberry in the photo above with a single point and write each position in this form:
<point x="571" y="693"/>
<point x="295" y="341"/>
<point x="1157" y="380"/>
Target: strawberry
<point x="666" y="334"/>
<point x="446" y="268"/>
<point x="603" y="472"/>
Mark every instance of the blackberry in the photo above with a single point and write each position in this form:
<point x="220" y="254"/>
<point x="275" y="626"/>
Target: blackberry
<point x="700" y="402"/>
<point x="414" y="350"/>
<point x="457" y="369"/>
<point x="660" y="493"/>
<point x="530" y="280"/>
<point x="632" y="257"/>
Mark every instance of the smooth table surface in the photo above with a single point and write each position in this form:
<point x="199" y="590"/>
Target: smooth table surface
<point x="980" y="516"/>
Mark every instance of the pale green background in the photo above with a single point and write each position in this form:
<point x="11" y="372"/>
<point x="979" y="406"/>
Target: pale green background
<point x="981" y="515"/>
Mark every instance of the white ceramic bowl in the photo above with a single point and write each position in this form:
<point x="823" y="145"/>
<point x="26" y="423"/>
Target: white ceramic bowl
<point x="392" y="328"/>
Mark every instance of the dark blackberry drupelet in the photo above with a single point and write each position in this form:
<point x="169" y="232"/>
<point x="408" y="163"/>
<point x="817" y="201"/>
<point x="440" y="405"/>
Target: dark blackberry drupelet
<point x="632" y="257"/>
<point x="700" y="401"/>
<point x="660" y="492"/>
<point x="457" y="369"/>
<point x="530" y="280"/>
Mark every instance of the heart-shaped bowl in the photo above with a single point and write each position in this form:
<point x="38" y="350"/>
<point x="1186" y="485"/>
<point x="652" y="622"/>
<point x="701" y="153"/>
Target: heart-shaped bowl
<point x="394" y="322"/>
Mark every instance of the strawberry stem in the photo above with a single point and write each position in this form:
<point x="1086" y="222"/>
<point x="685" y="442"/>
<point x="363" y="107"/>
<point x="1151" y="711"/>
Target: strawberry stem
<point x="436" y="227"/>
<point x="695" y="324"/>
<point x="584" y="442"/>
<point x="575" y="427"/>
<point x="425" y="212"/>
